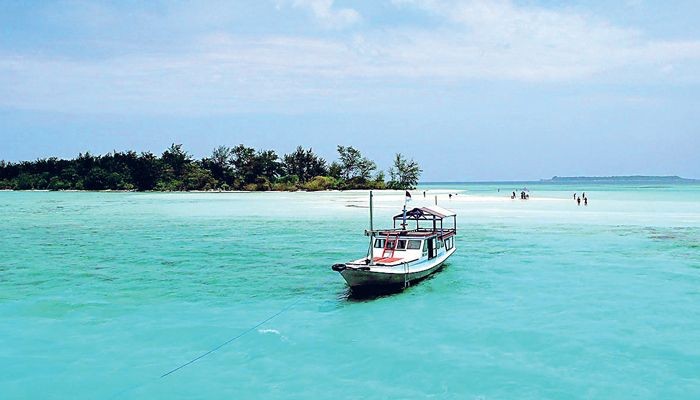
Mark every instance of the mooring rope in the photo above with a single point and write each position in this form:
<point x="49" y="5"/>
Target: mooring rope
<point x="254" y="327"/>
<point x="240" y="335"/>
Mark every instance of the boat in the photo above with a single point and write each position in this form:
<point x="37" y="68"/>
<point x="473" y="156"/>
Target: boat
<point x="400" y="256"/>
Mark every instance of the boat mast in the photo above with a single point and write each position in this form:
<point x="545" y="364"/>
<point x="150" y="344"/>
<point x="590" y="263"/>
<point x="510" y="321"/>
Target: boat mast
<point x="403" y="223"/>
<point x="371" y="230"/>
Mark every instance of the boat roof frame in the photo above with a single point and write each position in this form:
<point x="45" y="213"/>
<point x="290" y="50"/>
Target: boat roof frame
<point x="426" y="214"/>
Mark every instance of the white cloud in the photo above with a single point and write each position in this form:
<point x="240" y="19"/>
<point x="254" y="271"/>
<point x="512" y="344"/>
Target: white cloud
<point x="223" y="73"/>
<point x="498" y="39"/>
<point x="328" y="15"/>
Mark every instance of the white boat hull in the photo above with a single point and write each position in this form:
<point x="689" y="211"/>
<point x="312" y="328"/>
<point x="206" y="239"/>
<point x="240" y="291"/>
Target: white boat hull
<point x="399" y="275"/>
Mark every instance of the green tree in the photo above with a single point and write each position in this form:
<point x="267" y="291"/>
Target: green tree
<point x="198" y="178"/>
<point x="335" y="170"/>
<point x="404" y="174"/>
<point x="242" y="159"/>
<point x="175" y="159"/>
<point x="146" y="171"/>
<point x="175" y="162"/>
<point x="353" y="165"/>
<point x="96" y="179"/>
<point x="84" y="163"/>
<point x="25" y="181"/>
<point x="254" y="168"/>
<point x="267" y="165"/>
<point x="304" y="164"/>
<point x="219" y="163"/>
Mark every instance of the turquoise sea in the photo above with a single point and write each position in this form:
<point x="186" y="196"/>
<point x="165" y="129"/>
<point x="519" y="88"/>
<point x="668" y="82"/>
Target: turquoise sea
<point x="103" y="293"/>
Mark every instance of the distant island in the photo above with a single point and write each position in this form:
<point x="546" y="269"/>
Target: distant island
<point x="227" y="169"/>
<point x="619" y="179"/>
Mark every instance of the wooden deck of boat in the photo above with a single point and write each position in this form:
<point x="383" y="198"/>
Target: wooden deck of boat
<point x="387" y="260"/>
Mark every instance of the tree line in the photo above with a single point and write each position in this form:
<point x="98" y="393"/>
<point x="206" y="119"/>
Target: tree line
<point x="227" y="168"/>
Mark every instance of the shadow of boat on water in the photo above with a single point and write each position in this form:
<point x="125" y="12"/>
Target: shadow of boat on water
<point x="369" y="293"/>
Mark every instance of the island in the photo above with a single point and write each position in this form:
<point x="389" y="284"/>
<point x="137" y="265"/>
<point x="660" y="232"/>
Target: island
<point x="226" y="169"/>
<point x="631" y="179"/>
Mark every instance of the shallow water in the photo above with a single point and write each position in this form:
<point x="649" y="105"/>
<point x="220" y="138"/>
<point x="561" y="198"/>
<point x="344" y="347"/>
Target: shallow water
<point x="102" y="293"/>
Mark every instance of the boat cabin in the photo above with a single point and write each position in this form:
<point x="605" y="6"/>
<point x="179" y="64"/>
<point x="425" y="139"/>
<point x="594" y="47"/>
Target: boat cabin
<point x="419" y="233"/>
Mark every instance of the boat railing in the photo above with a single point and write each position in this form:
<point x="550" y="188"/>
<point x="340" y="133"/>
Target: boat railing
<point x="408" y="232"/>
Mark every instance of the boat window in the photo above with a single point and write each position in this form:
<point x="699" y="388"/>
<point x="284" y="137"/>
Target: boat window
<point x="401" y="245"/>
<point x="425" y="248"/>
<point x="448" y="243"/>
<point x="379" y="243"/>
<point x="414" y="244"/>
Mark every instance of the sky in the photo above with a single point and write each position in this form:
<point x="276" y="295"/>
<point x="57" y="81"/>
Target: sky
<point x="472" y="90"/>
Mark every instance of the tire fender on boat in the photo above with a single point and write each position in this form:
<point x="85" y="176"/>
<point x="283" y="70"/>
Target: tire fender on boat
<point x="339" y="267"/>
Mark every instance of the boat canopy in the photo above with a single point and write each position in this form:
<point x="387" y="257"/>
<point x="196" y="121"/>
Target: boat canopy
<point x="426" y="213"/>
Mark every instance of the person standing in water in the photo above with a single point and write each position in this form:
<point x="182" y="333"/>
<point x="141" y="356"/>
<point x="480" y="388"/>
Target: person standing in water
<point x="578" y="201"/>
<point x="585" y="201"/>
<point x="574" y="196"/>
